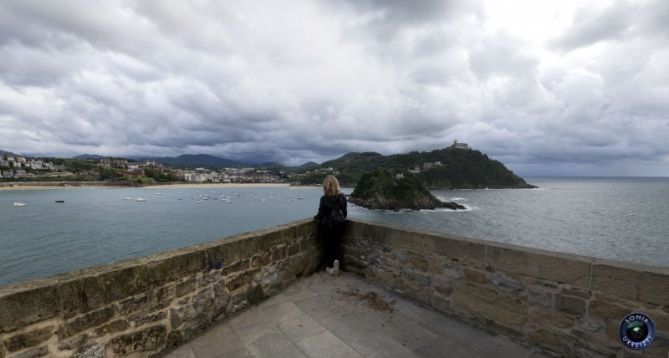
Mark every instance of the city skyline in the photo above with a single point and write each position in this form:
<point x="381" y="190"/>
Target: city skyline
<point x="551" y="88"/>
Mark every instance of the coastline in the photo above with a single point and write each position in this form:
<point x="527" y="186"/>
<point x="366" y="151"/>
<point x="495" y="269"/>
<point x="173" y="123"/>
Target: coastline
<point x="104" y="185"/>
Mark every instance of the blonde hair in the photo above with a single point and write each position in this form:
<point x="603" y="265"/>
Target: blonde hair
<point x="331" y="186"/>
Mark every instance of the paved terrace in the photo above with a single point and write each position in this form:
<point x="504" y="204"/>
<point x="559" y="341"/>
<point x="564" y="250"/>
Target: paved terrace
<point x="345" y="316"/>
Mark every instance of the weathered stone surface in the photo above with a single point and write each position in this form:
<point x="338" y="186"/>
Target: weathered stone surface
<point x="607" y="310"/>
<point x="568" y="304"/>
<point x="279" y="253"/>
<point x="33" y="353"/>
<point x="93" y="351"/>
<point x="236" y="266"/>
<point x="143" y="319"/>
<point x="28" y="339"/>
<point x="112" y="327"/>
<point x="577" y="292"/>
<point x="475" y="276"/>
<point x="506" y="284"/>
<point x="550" y="318"/>
<point x="73" y="343"/>
<point x="88" y="320"/>
<point x="556" y="341"/>
<point x="539" y="265"/>
<point x="145" y="340"/>
<point x="419" y="263"/>
<point x="470" y="253"/>
<point x="233" y="283"/>
<point x="484" y="303"/>
<point x="539" y="297"/>
<point x="2" y="352"/>
<point x="149" y="301"/>
<point x="646" y="287"/>
<point x="25" y="307"/>
<point x="185" y="287"/>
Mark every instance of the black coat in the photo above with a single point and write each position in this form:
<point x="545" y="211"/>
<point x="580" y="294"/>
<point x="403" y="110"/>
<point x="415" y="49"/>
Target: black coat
<point x="328" y="203"/>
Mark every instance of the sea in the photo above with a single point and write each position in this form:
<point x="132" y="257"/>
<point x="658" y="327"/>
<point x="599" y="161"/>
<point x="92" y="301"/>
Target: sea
<point x="624" y="219"/>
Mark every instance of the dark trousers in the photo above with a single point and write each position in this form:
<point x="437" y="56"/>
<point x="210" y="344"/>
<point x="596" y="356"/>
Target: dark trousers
<point x="332" y="245"/>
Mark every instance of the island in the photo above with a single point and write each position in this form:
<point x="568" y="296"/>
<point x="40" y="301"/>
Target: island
<point x="381" y="189"/>
<point x="457" y="166"/>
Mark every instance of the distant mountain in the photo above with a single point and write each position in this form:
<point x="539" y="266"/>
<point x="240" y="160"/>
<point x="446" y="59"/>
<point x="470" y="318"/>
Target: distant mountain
<point x="198" y="160"/>
<point x="88" y="157"/>
<point x="442" y="168"/>
<point x="4" y="153"/>
<point x="307" y="165"/>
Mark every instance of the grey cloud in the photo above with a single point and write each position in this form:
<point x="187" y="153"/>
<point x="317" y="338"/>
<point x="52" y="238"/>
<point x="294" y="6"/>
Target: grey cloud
<point x="292" y="82"/>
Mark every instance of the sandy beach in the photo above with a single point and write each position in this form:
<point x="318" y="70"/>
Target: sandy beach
<point x="217" y="185"/>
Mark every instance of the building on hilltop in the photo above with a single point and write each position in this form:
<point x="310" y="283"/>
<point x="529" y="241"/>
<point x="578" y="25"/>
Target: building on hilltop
<point x="457" y="145"/>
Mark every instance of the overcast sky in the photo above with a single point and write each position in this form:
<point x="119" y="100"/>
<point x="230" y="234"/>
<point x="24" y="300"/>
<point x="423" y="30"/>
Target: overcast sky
<point x="546" y="87"/>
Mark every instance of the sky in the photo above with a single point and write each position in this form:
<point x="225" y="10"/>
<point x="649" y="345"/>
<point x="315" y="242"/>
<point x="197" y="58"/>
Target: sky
<point x="546" y="87"/>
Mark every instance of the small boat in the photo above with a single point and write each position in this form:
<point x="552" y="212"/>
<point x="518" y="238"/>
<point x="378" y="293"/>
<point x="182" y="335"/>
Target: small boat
<point x="60" y="201"/>
<point x="19" y="204"/>
<point x="141" y="200"/>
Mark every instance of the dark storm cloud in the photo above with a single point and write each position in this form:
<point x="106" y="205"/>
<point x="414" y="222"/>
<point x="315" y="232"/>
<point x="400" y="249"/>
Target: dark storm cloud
<point x="300" y="81"/>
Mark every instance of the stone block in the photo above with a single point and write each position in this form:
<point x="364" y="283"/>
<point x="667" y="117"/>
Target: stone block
<point x="484" y="303"/>
<point x="73" y="343"/>
<point x="149" y="339"/>
<point x="637" y="285"/>
<point x="28" y="339"/>
<point x="237" y="266"/>
<point x="185" y="287"/>
<point x="112" y="327"/>
<point x="92" y="351"/>
<point x="396" y="238"/>
<point x="467" y="252"/>
<point x="550" y="318"/>
<point x="537" y="296"/>
<point x="475" y="276"/>
<point x="419" y="263"/>
<point x="34" y="353"/>
<point x="539" y="265"/>
<point x="571" y="305"/>
<point x="19" y="309"/>
<point x="279" y="253"/>
<point x="506" y="284"/>
<point x="152" y="317"/>
<point x="552" y="340"/>
<point x="608" y="310"/>
<point x="150" y="301"/>
<point x="88" y="320"/>
<point x="233" y="283"/>
<point x="260" y="260"/>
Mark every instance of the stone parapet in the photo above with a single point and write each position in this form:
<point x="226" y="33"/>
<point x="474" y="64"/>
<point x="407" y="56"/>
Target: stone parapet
<point x="145" y="306"/>
<point x="566" y="304"/>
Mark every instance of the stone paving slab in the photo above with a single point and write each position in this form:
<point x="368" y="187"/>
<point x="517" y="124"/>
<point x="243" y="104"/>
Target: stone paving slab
<point x="345" y="316"/>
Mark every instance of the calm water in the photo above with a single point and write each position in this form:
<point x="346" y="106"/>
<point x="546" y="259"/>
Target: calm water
<point x="622" y="219"/>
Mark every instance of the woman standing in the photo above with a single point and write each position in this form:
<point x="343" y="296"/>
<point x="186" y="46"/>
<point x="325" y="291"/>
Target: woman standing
<point x="331" y="219"/>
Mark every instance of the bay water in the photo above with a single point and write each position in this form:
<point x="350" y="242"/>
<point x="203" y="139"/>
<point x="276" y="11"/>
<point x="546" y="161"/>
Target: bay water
<point x="625" y="219"/>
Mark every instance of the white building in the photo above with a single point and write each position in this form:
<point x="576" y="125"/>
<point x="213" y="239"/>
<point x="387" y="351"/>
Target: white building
<point x="457" y="145"/>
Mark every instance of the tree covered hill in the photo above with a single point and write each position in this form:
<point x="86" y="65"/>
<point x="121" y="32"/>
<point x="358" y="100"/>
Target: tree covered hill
<point x="443" y="168"/>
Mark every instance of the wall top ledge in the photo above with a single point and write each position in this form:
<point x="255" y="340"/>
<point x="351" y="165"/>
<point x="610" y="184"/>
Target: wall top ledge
<point x="139" y="261"/>
<point x="493" y="244"/>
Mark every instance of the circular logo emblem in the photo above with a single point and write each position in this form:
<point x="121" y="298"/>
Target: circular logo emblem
<point x="637" y="331"/>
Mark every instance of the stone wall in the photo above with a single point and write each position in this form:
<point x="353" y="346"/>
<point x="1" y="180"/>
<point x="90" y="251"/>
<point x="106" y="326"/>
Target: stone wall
<point x="145" y="306"/>
<point x="566" y="304"/>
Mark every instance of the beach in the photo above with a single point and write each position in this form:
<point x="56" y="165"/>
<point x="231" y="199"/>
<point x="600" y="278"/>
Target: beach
<point x="101" y="185"/>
